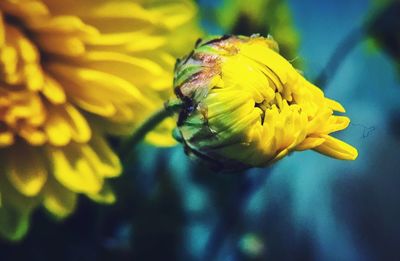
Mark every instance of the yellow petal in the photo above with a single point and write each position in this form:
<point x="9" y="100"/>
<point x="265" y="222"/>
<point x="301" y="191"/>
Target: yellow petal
<point x="280" y="155"/>
<point x="129" y="41"/>
<point x="14" y="197"/>
<point x="146" y="43"/>
<point x="335" y="123"/>
<point x="32" y="135"/>
<point x="65" y="123"/>
<point x="104" y="196"/>
<point x="276" y="63"/>
<point x="58" y="200"/>
<point x="73" y="170"/>
<point x="26" y="10"/>
<point x="33" y="77"/>
<point x="119" y="59"/>
<point x="174" y="13"/>
<point x="6" y="138"/>
<point x="309" y="143"/>
<point x="334" y="105"/>
<point x="2" y="30"/>
<point x="64" y="24"/>
<point x="9" y="60"/>
<point x="102" y="158"/>
<point x="56" y="127"/>
<point x="53" y="91"/>
<point x="80" y="130"/>
<point x="335" y="148"/>
<point x="107" y="100"/>
<point x="98" y="80"/>
<point x="99" y="9"/>
<point x="28" y="173"/>
<point x="162" y="134"/>
<point x="29" y="52"/>
<point x="61" y="44"/>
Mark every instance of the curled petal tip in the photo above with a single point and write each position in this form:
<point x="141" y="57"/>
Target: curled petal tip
<point x="336" y="148"/>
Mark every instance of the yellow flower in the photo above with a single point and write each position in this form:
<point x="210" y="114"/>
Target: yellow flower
<point x="245" y="105"/>
<point x="71" y="73"/>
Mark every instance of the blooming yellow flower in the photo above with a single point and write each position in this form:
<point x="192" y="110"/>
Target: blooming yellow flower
<point x="245" y="105"/>
<point x="70" y="73"/>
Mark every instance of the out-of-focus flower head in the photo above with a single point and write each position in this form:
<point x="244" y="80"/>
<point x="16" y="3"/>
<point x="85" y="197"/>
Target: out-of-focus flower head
<point x="244" y="105"/>
<point x="71" y="73"/>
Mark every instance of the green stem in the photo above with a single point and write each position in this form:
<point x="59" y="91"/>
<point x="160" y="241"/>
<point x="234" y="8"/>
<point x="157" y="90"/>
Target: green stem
<point x="338" y="56"/>
<point x="126" y="147"/>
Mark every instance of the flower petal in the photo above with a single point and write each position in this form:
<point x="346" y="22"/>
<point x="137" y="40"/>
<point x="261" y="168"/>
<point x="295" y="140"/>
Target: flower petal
<point x="102" y="158"/>
<point x="105" y="196"/>
<point x="74" y="171"/>
<point x="310" y="143"/>
<point x="336" y="148"/>
<point x="14" y="224"/>
<point x="28" y="173"/>
<point x="53" y="91"/>
<point x="58" y="200"/>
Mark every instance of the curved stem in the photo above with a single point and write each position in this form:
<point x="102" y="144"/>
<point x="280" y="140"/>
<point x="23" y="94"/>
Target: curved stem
<point x="150" y="123"/>
<point x="339" y="54"/>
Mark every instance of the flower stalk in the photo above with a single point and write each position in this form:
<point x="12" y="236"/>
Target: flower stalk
<point x="345" y="47"/>
<point x="170" y="107"/>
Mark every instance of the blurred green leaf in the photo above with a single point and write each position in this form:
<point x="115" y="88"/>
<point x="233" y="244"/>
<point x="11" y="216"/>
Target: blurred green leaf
<point x="272" y="17"/>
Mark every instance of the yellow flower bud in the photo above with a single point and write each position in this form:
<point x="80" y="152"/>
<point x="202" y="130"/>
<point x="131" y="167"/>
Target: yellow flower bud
<point x="244" y="105"/>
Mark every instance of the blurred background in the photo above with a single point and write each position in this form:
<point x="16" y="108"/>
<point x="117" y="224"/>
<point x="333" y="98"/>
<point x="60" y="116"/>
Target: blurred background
<point x="305" y="207"/>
